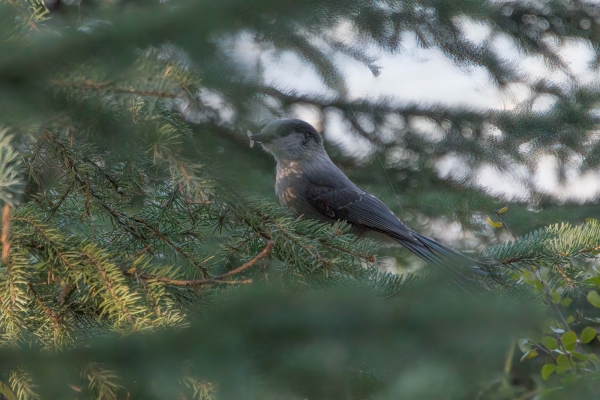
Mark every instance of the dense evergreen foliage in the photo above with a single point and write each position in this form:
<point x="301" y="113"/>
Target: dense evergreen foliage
<point x="144" y="255"/>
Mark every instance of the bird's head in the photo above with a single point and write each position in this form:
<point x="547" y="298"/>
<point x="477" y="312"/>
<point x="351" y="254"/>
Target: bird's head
<point x="290" y="139"/>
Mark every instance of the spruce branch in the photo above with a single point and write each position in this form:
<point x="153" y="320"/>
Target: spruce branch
<point x="48" y="237"/>
<point x="131" y="224"/>
<point x="106" y="87"/>
<point x="23" y="384"/>
<point x="109" y="285"/>
<point x="370" y="258"/>
<point x="217" y="279"/>
<point x="553" y="244"/>
<point x="52" y="315"/>
<point x="26" y="17"/>
<point x="61" y="200"/>
<point x="102" y="381"/>
<point x="11" y="170"/>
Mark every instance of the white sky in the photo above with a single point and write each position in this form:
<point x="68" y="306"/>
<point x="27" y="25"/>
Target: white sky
<point x="426" y="76"/>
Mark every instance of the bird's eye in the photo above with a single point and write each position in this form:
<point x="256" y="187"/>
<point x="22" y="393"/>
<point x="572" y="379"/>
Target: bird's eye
<point x="306" y="138"/>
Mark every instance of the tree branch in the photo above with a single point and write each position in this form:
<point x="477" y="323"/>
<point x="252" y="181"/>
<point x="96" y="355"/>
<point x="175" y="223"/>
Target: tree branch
<point x="217" y="279"/>
<point x="94" y="86"/>
<point x="5" y="232"/>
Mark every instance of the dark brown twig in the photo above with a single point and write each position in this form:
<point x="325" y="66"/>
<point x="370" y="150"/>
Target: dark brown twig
<point x="105" y="174"/>
<point x="61" y="200"/>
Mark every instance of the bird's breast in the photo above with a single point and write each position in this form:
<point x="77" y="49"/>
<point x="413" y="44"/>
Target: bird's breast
<point x="288" y="183"/>
<point x="290" y="187"/>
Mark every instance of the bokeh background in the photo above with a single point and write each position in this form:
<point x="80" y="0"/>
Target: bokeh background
<point x="144" y="255"/>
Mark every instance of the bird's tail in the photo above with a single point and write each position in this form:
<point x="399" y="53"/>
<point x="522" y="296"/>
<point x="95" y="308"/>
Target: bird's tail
<point x="445" y="257"/>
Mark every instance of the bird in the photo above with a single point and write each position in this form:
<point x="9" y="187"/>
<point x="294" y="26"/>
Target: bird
<point x="310" y="185"/>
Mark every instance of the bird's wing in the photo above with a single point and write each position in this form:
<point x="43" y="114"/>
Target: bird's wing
<point x="359" y="208"/>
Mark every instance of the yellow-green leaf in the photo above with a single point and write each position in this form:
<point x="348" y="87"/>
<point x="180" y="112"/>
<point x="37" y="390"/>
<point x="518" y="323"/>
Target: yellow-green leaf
<point x="550" y="343"/>
<point x="592" y="221"/>
<point x="529" y="354"/>
<point x="569" y="339"/>
<point x="570" y="319"/>
<point x="588" y="334"/>
<point x="593" y="281"/>
<point x="494" y="224"/>
<point x="563" y="361"/>
<point x="502" y="210"/>
<point x="566" y="301"/>
<point x="538" y="286"/>
<point x="547" y="370"/>
<point x="594" y="298"/>
<point x="593" y="357"/>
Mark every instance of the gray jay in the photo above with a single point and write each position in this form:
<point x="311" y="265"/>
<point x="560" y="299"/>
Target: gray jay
<point x="310" y="185"/>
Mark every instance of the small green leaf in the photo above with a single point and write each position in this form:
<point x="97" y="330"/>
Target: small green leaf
<point x="588" y="334"/>
<point x="594" y="298"/>
<point x="524" y="345"/>
<point x="538" y="286"/>
<point x="555" y="297"/>
<point x="550" y="343"/>
<point x="528" y="355"/>
<point x="563" y="361"/>
<point x="593" y="357"/>
<point x="593" y="281"/>
<point x="547" y="370"/>
<point x="579" y="356"/>
<point x="569" y="339"/>
<point x="566" y="302"/>
<point x="570" y="319"/>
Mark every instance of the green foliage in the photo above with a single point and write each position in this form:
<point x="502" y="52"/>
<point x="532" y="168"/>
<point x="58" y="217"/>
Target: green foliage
<point x="11" y="171"/>
<point x="129" y="233"/>
<point x="328" y="344"/>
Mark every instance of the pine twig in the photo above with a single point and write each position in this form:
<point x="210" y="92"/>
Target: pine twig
<point x="48" y="311"/>
<point x="219" y="278"/>
<point x="24" y="15"/>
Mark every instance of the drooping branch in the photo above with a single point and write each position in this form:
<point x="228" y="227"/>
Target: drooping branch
<point x="218" y="279"/>
<point x="105" y="87"/>
<point x="129" y="223"/>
